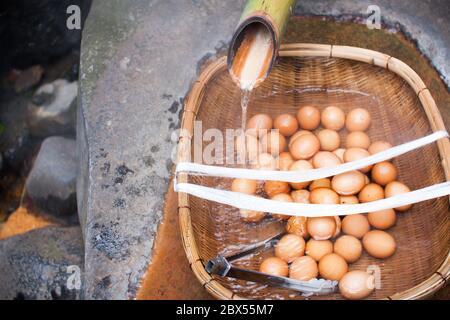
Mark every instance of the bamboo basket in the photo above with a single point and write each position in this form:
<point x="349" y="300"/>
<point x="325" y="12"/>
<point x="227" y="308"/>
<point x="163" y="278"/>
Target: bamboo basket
<point x="402" y="109"/>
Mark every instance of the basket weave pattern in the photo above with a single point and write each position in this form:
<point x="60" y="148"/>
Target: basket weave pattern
<point x="402" y="109"/>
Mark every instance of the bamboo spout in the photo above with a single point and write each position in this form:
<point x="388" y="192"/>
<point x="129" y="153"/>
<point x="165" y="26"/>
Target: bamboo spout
<point x="263" y="20"/>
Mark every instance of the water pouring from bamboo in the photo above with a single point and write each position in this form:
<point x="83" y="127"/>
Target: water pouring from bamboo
<point x="255" y="43"/>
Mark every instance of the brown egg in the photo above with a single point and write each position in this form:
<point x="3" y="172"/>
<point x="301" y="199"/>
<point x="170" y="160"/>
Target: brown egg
<point x="358" y="120"/>
<point x="275" y="267"/>
<point x="316" y="249"/>
<point x="251" y="216"/>
<point x="332" y="267"/>
<point x="323" y="196"/>
<point x="357" y="139"/>
<point x="383" y="219"/>
<point x="320" y="183"/>
<point x="379" y="244"/>
<point x="265" y="161"/>
<point x="329" y="139"/>
<point x="353" y="154"/>
<point x="290" y="247"/>
<point x="384" y="172"/>
<point x="301" y="166"/>
<point x="283" y="197"/>
<point x="246" y="186"/>
<point x="348" y="183"/>
<point x="379" y="146"/>
<point x="308" y="117"/>
<point x="348" y="200"/>
<point x="300" y="196"/>
<point x="323" y="159"/>
<point x="259" y="124"/>
<point x="394" y="188"/>
<point x="297" y="225"/>
<point x="356" y="285"/>
<point x="371" y="192"/>
<point x="304" y="147"/>
<point x="284" y="161"/>
<point x="338" y="226"/>
<point x="273" y="143"/>
<point x="321" y="228"/>
<point x="286" y="124"/>
<point x="340" y="154"/>
<point x="355" y="225"/>
<point x="303" y="269"/>
<point x="273" y="188"/>
<point x="298" y="134"/>
<point x="333" y="118"/>
<point x="348" y="247"/>
<point x="247" y="148"/>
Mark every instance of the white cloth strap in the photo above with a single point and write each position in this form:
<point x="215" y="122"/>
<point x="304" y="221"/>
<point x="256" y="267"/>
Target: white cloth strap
<point x="249" y="202"/>
<point x="313" y="174"/>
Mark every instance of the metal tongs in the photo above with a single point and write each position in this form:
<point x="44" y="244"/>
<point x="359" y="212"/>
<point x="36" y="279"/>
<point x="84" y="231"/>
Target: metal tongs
<point x="222" y="266"/>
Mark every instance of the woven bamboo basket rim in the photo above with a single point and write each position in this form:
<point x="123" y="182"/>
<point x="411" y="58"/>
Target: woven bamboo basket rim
<point x="420" y="291"/>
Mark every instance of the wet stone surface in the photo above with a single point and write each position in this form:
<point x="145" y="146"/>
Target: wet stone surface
<point x="42" y="264"/>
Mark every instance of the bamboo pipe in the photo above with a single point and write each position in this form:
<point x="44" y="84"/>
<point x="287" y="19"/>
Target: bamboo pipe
<point x="272" y="15"/>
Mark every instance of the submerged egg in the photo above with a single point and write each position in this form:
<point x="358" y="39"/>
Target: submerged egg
<point x="357" y="139"/>
<point x="273" y="188"/>
<point x="303" y="269"/>
<point x="284" y="161"/>
<point x="329" y="140"/>
<point x="340" y="154"/>
<point x="300" y="166"/>
<point x="259" y="124"/>
<point x="348" y="183"/>
<point x="353" y="154"/>
<point x="265" y="161"/>
<point x="304" y="147"/>
<point x="300" y="196"/>
<point x="379" y="244"/>
<point x="379" y="146"/>
<point x="273" y="143"/>
<point x="349" y="200"/>
<point x="383" y="219"/>
<point x="356" y="285"/>
<point x="323" y="159"/>
<point x="251" y="215"/>
<point x="332" y="267"/>
<point x="286" y="124"/>
<point x="283" y="197"/>
<point x="297" y="135"/>
<point x="316" y="249"/>
<point x="333" y="118"/>
<point x="308" y="117"/>
<point x="349" y="248"/>
<point x="358" y="119"/>
<point x="290" y="247"/>
<point x="371" y="192"/>
<point x="247" y="147"/>
<point x="323" y="196"/>
<point x="355" y="225"/>
<point x="394" y="188"/>
<point x="275" y="267"/>
<point x="321" y="228"/>
<point x="320" y="183"/>
<point x="384" y="172"/>
<point x="297" y="225"/>
<point x="246" y="186"/>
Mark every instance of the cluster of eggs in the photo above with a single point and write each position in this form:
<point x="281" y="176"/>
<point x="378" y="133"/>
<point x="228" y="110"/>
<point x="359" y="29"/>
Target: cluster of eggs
<point x="310" y="140"/>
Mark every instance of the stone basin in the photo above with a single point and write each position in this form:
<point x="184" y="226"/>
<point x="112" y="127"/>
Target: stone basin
<point x="138" y="61"/>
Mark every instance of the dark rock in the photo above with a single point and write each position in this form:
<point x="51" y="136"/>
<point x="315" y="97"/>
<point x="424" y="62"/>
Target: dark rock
<point x="53" y="109"/>
<point x="42" y="264"/>
<point x="35" y="31"/>
<point x="50" y="186"/>
<point x="28" y="78"/>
